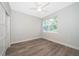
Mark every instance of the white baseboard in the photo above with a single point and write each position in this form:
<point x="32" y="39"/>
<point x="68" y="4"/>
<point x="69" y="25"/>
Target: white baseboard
<point x="24" y="40"/>
<point x="65" y="44"/>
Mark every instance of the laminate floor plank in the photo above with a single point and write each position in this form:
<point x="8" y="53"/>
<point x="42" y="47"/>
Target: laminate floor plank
<point x="40" y="47"/>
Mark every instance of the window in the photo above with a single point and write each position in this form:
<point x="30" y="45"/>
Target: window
<point x="50" y="25"/>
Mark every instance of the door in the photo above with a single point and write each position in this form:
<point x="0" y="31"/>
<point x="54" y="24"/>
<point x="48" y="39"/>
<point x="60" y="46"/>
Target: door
<point x="4" y="30"/>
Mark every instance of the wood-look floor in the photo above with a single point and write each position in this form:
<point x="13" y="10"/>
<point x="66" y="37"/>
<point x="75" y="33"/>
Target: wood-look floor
<point x="40" y="47"/>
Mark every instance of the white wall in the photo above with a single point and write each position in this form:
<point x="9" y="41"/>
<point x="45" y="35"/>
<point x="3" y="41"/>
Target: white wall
<point x="68" y="26"/>
<point x="24" y="27"/>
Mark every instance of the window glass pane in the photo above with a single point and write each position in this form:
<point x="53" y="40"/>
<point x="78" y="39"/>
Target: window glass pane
<point x="50" y="25"/>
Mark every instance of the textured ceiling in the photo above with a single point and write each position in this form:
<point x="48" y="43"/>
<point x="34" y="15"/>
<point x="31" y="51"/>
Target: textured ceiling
<point x="30" y="8"/>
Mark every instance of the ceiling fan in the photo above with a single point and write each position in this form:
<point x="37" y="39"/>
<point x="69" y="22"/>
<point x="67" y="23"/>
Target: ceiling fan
<point x="39" y="6"/>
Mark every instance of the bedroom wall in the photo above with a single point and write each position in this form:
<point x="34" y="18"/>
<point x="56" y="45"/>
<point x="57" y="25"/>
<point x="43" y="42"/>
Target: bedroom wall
<point x="24" y="27"/>
<point x="68" y="27"/>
